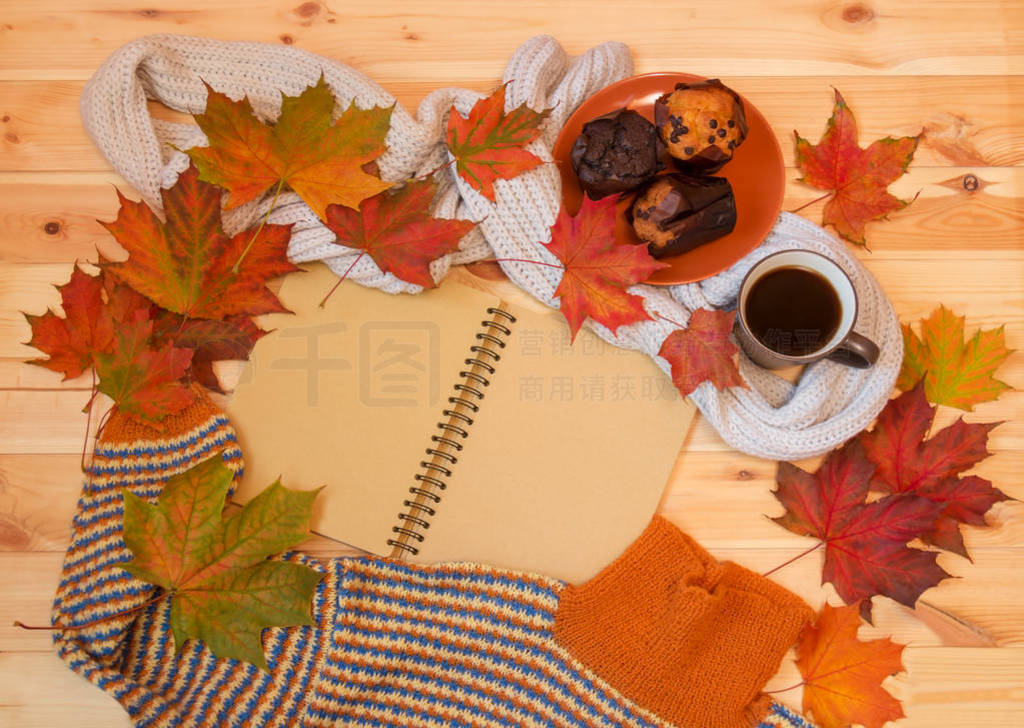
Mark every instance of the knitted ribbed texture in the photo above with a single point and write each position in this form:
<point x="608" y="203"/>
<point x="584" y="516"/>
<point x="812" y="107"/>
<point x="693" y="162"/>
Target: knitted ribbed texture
<point x="666" y="614"/>
<point x="772" y="419"/>
<point x="394" y="644"/>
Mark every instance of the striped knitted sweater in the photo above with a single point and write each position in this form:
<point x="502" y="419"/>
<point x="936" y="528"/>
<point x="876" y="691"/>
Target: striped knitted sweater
<point x="447" y="645"/>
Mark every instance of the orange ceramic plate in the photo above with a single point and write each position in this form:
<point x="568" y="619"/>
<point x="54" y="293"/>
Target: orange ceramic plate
<point x="756" y="173"/>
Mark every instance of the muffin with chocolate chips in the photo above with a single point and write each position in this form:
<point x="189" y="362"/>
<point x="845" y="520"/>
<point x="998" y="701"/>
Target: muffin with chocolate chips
<point x="701" y="123"/>
<point x="679" y="212"/>
<point x="617" y="152"/>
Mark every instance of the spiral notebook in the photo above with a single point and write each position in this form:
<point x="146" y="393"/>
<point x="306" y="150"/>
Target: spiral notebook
<point x="458" y="424"/>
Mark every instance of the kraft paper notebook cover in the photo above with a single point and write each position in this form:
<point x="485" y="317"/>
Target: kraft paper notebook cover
<point x="555" y="469"/>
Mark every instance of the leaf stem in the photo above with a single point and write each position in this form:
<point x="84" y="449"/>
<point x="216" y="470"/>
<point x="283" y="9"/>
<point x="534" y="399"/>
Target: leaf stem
<point x="100" y="620"/>
<point x="784" y="690"/>
<point x="671" y="321"/>
<point x="263" y="222"/>
<point x="800" y="555"/>
<point x="524" y="260"/>
<point x="808" y="204"/>
<point x="88" y="416"/>
<point x="323" y="302"/>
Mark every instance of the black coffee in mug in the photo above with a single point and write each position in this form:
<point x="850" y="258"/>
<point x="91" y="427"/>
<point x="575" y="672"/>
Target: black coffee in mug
<point x="793" y="310"/>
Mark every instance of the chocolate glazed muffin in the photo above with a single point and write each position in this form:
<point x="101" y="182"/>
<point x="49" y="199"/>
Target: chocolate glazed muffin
<point x="702" y="124"/>
<point x="679" y="212"/>
<point x="616" y="152"/>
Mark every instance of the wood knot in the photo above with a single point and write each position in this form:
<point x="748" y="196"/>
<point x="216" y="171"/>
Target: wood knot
<point x="411" y="36"/>
<point x="6" y="118"/>
<point x="971" y="183"/>
<point x="745" y="475"/>
<point x="52" y="227"/>
<point x="287" y="39"/>
<point x="12" y="137"/>
<point x="858" y="13"/>
<point x="308" y="9"/>
<point x="150" y="13"/>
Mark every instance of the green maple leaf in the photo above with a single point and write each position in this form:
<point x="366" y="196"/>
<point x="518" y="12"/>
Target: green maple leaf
<point x="223" y="589"/>
<point x="956" y="372"/>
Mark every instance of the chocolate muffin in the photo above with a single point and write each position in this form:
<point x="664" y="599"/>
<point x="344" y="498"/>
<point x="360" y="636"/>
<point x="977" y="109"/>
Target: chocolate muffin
<point x="679" y="212"/>
<point x="616" y="152"/>
<point x="702" y="124"/>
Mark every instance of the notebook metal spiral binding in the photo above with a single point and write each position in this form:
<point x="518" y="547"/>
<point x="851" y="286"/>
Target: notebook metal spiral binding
<point x="465" y="401"/>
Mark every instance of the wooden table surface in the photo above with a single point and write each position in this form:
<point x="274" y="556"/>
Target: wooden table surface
<point x="949" y="68"/>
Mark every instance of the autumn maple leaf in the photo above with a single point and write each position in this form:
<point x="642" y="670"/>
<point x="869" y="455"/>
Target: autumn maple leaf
<point x="185" y="264"/>
<point x="322" y="160"/>
<point x="866" y="550"/>
<point x="703" y="352"/>
<point x="957" y="373"/>
<point x="907" y="463"/>
<point x="397" y="230"/>
<point x="143" y="381"/>
<point x="598" y="269"/>
<point x="210" y="340"/>
<point x="86" y="328"/>
<point x="842" y="676"/>
<point x="857" y="177"/>
<point x="488" y="144"/>
<point x="223" y="590"/>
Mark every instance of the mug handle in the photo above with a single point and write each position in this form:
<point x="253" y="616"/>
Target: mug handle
<point x="855" y="351"/>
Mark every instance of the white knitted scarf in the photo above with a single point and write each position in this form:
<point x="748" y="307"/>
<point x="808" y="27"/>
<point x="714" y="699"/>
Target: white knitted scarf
<point x="772" y="419"/>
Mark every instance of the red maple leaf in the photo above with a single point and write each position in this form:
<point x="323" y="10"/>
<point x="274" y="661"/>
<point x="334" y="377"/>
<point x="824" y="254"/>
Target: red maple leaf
<point x="210" y="340"/>
<point x="143" y="381"/>
<point x="906" y="462"/>
<point x="866" y="552"/>
<point x="598" y="269"/>
<point x="488" y="144"/>
<point x="321" y="158"/>
<point x="397" y="230"/>
<point x="185" y="264"/>
<point x="86" y="328"/>
<point x="703" y="352"/>
<point x="858" y="177"/>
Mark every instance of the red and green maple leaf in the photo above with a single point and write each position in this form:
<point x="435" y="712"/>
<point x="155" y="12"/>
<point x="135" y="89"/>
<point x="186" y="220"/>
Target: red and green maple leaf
<point x="144" y="382"/>
<point x="396" y="229"/>
<point x="322" y="160"/>
<point x="866" y="552"/>
<point x="955" y="372"/>
<point x="842" y="676"/>
<point x="703" y="352"/>
<point x="185" y="264"/>
<point x="488" y="145"/>
<point x="907" y="463"/>
<point x="210" y="340"/>
<point x="87" y="327"/>
<point x="222" y="587"/>
<point x="597" y="268"/>
<point x="859" y="178"/>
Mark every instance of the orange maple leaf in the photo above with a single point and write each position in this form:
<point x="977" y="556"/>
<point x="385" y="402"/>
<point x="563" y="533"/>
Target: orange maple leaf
<point x="397" y="230"/>
<point x="598" y="269"/>
<point x="956" y="372"/>
<point x="703" y="352"/>
<point x="488" y="144"/>
<point x="320" y="159"/>
<point x="858" y="177"/>
<point x="185" y="264"/>
<point x="843" y="675"/>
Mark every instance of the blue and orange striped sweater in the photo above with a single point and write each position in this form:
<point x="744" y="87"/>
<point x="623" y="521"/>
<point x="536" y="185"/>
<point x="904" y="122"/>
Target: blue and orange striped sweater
<point x="404" y="645"/>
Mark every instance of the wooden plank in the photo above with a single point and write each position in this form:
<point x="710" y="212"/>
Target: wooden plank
<point x="39" y="691"/>
<point x="954" y="686"/>
<point x="721" y="499"/>
<point x="975" y="126"/>
<point x="453" y="39"/>
<point x="47" y="218"/>
<point x="30" y="580"/>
